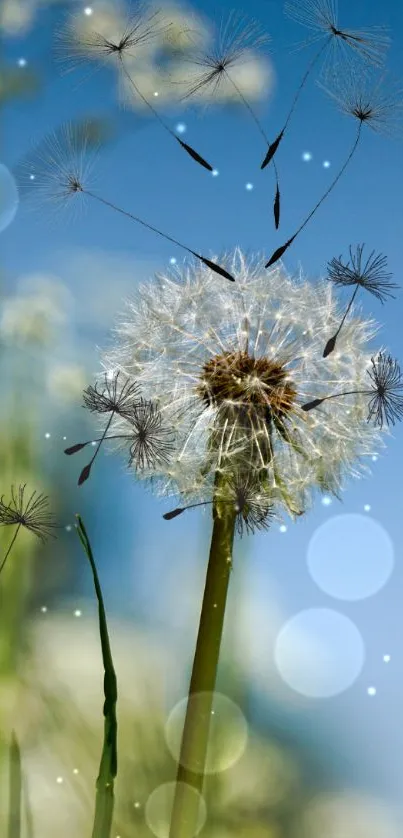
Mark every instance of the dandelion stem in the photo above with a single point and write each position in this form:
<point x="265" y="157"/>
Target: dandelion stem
<point x="193" y="751"/>
<point x="10" y="546"/>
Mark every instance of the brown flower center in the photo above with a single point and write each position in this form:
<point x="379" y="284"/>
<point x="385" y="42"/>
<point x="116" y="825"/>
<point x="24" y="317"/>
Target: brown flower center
<point x="235" y="377"/>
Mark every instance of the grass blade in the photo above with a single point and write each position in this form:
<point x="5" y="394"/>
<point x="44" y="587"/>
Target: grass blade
<point x="104" y="802"/>
<point x="14" y="811"/>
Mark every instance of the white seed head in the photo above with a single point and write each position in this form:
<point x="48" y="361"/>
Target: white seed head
<point x="230" y="377"/>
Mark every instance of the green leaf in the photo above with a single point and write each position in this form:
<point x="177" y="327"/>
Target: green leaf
<point x="104" y="802"/>
<point x="14" y="810"/>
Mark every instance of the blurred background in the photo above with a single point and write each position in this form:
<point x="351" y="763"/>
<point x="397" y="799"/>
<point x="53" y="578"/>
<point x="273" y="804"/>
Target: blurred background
<point x="311" y="741"/>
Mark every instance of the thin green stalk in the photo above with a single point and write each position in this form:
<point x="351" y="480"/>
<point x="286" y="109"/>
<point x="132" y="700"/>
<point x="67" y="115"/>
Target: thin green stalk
<point x="15" y="798"/>
<point x="195" y="735"/>
<point x="104" y="801"/>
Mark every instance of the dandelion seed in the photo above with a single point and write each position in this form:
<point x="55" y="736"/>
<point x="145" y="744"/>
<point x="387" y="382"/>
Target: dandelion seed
<point x="62" y="166"/>
<point x="371" y="105"/>
<point x="142" y="28"/>
<point x="143" y="432"/>
<point x="371" y="276"/>
<point x="115" y="398"/>
<point x="150" y="441"/>
<point x="386" y="398"/>
<point x="210" y="70"/>
<point x="32" y="514"/>
<point x="339" y="48"/>
<point x="242" y="491"/>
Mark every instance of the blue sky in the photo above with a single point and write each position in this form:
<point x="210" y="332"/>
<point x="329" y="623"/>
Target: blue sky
<point x="145" y="172"/>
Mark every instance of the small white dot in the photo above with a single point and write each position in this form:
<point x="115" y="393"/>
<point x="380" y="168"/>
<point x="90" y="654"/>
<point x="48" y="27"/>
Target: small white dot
<point x="44" y="609"/>
<point x="47" y="436"/>
<point x="283" y="528"/>
<point x="88" y="11"/>
<point x="68" y="528"/>
<point x="374" y="458"/>
<point x="65" y="437"/>
<point x="181" y="127"/>
<point x="326" y="501"/>
<point x="137" y="805"/>
<point x="32" y="177"/>
<point x="326" y="164"/>
<point x="367" y="507"/>
<point x="75" y="770"/>
<point x="172" y="260"/>
<point x="306" y="156"/>
<point x="371" y="691"/>
<point x="214" y="605"/>
<point x="386" y="658"/>
<point x="22" y="62"/>
<point x="249" y="186"/>
<point x="93" y="443"/>
<point x="156" y="93"/>
<point x="77" y="612"/>
<point x="215" y="172"/>
<point x="59" y="780"/>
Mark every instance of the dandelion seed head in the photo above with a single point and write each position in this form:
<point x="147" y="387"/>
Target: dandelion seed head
<point x="228" y="379"/>
<point x="108" y="37"/>
<point x="345" y="46"/>
<point x="32" y="513"/>
<point x="371" y="98"/>
<point x="369" y="274"/>
<point x="236" y="43"/>
<point x="60" y="169"/>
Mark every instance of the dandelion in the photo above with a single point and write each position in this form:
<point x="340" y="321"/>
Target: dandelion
<point x="32" y="514"/>
<point x="368" y="102"/>
<point x="211" y="69"/>
<point x="341" y="47"/>
<point x="229" y="373"/>
<point x="129" y="40"/>
<point x="371" y="276"/>
<point x="62" y="168"/>
<point x="385" y="392"/>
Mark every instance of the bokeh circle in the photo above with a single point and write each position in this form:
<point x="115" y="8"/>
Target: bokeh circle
<point x="350" y="557"/>
<point x="228" y="733"/>
<point x="319" y="652"/>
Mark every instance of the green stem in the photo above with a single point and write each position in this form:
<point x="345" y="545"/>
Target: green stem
<point x="195" y="735"/>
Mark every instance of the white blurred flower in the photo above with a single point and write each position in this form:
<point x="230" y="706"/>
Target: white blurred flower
<point x="16" y="16"/>
<point x="230" y="368"/>
<point x="349" y="815"/>
<point x="39" y="307"/>
<point x="156" y="54"/>
<point x="66" y="381"/>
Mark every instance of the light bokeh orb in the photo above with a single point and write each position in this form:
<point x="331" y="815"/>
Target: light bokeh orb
<point x="319" y="652"/>
<point x="9" y="198"/>
<point x="228" y="733"/>
<point x="158" y="809"/>
<point x="350" y="557"/>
